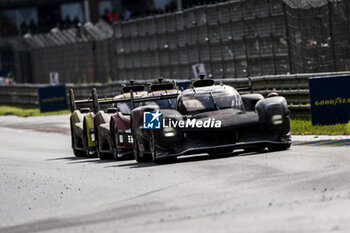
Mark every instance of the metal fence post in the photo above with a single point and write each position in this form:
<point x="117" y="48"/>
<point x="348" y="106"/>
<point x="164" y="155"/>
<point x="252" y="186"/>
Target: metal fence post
<point x="330" y="17"/>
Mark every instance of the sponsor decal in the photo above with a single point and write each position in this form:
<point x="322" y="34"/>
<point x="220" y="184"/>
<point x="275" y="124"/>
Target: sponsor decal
<point x="154" y="120"/>
<point x="338" y="100"/>
<point x="192" y="123"/>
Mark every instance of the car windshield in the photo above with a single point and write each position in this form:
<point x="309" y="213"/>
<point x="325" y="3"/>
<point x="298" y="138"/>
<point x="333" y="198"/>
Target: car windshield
<point x="125" y="107"/>
<point x="210" y="102"/>
<point x="163" y="104"/>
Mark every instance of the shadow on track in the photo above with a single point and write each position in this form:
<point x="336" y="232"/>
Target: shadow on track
<point x="134" y="164"/>
<point x="185" y="159"/>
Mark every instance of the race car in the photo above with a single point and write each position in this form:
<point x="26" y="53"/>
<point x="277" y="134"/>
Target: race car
<point x="82" y="137"/>
<point x="212" y="119"/>
<point x="162" y="96"/>
<point x="112" y="127"/>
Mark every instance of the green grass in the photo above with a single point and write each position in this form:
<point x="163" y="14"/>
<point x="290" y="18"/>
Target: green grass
<point x="304" y="127"/>
<point x="26" y="112"/>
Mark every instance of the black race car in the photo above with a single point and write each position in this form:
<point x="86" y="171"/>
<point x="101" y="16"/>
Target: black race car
<point x="212" y="119"/>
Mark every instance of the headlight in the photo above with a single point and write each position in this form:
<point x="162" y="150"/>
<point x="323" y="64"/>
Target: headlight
<point x="121" y="138"/>
<point x="276" y="119"/>
<point x="169" y="131"/>
<point x="92" y="134"/>
<point x="130" y="139"/>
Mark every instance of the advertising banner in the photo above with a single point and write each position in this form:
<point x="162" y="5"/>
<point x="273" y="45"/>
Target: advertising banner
<point x="330" y="99"/>
<point x="52" y="98"/>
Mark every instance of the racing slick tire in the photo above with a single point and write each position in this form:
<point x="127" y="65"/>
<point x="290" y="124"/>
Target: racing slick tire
<point x="113" y="141"/>
<point x="154" y="153"/>
<point x="139" y="155"/>
<point x="279" y="147"/>
<point x="77" y="153"/>
<point x="101" y="155"/>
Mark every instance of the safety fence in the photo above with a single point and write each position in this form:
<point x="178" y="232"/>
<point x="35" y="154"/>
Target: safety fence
<point x="293" y="87"/>
<point x="318" y="35"/>
<point x="234" y="39"/>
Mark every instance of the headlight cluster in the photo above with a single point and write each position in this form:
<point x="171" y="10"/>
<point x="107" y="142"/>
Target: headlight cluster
<point x="128" y="138"/>
<point x="92" y="134"/>
<point x="276" y="119"/>
<point x="169" y="131"/>
<point x="121" y="138"/>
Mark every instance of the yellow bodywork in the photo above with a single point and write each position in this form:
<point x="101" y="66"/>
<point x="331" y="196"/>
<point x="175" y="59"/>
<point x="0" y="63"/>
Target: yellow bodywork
<point x="89" y="123"/>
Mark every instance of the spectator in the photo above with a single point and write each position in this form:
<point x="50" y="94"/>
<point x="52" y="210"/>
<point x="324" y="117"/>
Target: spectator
<point x="115" y="16"/>
<point x="127" y="14"/>
<point x="23" y="28"/>
<point x="59" y="22"/>
<point x="105" y="15"/>
<point x="42" y="26"/>
<point x="110" y="18"/>
<point x="76" y="21"/>
<point x="32" y="27"/>
<point x="67" y="22"/>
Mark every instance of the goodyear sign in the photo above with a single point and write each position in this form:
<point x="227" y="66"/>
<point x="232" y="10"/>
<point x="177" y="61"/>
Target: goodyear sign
<point x="330" y="99"/>
<point x="52" y="98"/>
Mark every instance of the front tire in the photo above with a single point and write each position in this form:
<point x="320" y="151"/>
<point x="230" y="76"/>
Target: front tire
<point x="139" y="155"/>
<point x="153" y="148"/>
<point x="104" y="156"/>
<point x="114" y="146"/>
<point x="77" y="153"/>
<point x="154" y="153"/>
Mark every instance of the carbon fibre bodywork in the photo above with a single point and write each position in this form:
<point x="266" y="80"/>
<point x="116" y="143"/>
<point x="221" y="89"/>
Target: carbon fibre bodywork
<point x="250" y="122"/>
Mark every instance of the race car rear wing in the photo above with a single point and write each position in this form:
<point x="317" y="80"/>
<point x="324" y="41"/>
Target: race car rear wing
<point x="73" y="103"/>
<point x="246" y="88"/>
<point x="97" y="102"/>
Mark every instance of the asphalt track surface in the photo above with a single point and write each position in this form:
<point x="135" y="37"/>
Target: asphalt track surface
<point x="44" y="188"/>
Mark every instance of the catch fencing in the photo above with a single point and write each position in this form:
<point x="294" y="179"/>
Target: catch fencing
<point x="318" y="35"/>
<point x="233" y="39"/>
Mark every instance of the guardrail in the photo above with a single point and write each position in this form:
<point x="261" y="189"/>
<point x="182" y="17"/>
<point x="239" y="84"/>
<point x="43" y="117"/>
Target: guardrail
<point x="294" y="87"/>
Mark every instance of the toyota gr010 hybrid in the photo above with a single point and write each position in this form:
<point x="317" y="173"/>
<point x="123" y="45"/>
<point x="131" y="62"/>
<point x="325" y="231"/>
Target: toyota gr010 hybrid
<point x="212" y="119"/>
